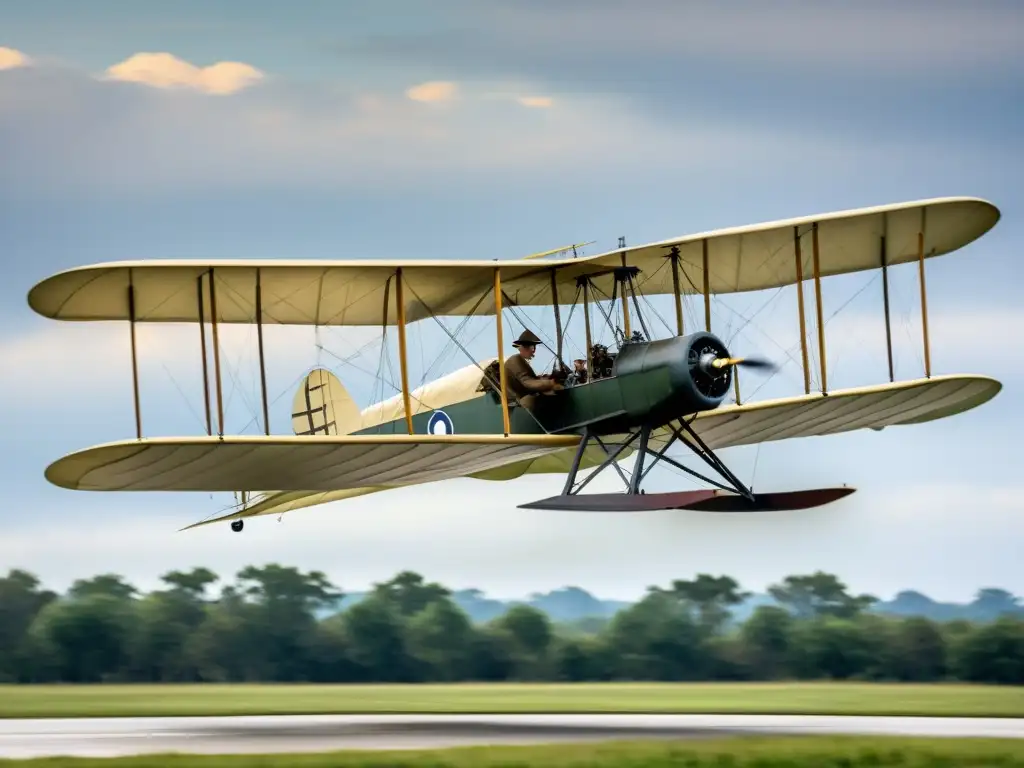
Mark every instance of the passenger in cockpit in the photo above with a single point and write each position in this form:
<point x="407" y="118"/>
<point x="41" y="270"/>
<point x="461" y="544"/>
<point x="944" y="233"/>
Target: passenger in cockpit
<point x="578" y="375"/>
<point x="602" y="362"/>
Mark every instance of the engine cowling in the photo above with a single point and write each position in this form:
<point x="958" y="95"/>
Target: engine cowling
<point x="665" y="379"/>
<point x="652" y="383"/>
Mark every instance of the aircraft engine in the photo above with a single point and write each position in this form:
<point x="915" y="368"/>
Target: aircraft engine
<point x="666" y="379"/>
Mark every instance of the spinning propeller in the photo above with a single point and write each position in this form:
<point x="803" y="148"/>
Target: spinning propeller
<point x="744" y="362"/>
<point x="711" y="364"/>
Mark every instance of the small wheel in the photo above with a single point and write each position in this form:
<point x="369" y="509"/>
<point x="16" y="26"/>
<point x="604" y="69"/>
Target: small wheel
<point x="237" y="525"/>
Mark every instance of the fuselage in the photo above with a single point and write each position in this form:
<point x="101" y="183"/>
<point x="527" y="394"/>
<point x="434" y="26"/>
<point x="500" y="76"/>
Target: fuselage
<point x="651" y="384"/>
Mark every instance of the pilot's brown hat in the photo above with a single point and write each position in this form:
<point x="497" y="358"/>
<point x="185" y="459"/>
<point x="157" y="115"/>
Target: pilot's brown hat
<point x="527" y="338"/>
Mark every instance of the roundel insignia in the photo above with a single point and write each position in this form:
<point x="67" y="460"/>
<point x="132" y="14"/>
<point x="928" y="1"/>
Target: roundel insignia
<point x="440" y="424"/>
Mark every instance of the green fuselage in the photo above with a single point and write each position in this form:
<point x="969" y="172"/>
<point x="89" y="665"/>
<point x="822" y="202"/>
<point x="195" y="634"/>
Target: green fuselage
<point x="652" y="383"/>
<point x="567" y="410"/>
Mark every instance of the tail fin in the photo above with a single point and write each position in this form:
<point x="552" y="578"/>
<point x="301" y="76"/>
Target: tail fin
<point x="322" y="406"/>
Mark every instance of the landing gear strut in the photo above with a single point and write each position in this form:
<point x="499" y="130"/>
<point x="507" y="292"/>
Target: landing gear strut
<point x="237" y="525"/>
<point x="730" y="496"/>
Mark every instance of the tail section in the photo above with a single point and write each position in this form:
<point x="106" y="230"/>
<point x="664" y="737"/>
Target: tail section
<point x="322" y="406"/>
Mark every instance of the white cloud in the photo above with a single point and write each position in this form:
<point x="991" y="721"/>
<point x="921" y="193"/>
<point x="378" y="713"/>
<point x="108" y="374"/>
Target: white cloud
<point x="151" y="140"/>
<point x="540" y="102"/>
<point x="164" y="70"/>
<point x="433" y="91"/>
<point x="12" y="59"/>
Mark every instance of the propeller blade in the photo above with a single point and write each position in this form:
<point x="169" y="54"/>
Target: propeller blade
<point x="745" y="362"/>
<point x="758" y="362"/>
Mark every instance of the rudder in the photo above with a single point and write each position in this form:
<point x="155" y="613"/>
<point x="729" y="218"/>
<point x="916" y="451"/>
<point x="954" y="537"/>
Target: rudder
<point x="322" y="406"/>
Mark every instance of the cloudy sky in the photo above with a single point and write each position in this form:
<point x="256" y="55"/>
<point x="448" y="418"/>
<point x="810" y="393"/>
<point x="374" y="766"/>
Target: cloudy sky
<point x="491" y="130"/>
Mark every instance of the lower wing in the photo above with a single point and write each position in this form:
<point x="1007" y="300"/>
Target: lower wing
<point x="309" y="471"/>
<point x="292" y="463"/>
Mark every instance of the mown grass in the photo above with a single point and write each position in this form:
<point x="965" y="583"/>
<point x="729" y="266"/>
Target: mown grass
<point x="711" y="698"/>
<point x="807" y="752"/>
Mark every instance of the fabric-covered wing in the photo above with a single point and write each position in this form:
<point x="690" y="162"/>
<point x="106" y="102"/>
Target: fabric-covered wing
<point x="816" y="415"/>
<point x="328" y="292"/>
<point x="293" y="463"/>
<point x="875" y="407"/>
<point x="278" y="502"/>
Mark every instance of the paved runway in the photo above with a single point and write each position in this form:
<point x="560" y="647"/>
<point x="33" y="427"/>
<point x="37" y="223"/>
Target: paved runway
<point x="125" y="736"/>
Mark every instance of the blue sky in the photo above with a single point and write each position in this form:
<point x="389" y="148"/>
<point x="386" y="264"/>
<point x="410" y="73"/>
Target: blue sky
<point x="495" y="129"/>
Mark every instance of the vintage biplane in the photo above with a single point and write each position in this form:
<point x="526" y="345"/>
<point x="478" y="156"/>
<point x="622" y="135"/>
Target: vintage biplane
<point x="643" y="396"/>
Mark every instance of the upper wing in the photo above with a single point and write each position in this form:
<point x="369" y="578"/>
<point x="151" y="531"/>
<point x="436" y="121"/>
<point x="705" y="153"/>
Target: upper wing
<point x="330" y="292"/>
<point x="292" y="463"/>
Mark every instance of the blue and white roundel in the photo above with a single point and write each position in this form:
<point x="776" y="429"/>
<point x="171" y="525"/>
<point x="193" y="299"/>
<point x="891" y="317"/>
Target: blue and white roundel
<point x="440" y="424"/>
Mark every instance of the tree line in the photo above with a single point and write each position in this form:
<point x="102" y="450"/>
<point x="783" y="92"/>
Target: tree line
<point x="279" y="624"/>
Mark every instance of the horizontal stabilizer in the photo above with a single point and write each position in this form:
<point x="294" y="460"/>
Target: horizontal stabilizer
<point x="279" y="502"/>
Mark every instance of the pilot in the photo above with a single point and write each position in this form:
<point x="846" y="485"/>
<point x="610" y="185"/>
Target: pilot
<point x="524" y="384"/>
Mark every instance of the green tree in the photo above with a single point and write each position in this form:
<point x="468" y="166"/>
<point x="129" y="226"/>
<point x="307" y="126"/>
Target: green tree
<point x="657" y="639"/>
<point x="767" y="637"/>
<point x="376" y="637"/>
<point x="834" y="648"/>
<point x="819" y="594"/>
<point x="194" y="583"/>
<point x="265" y="627"/>
<point x="224" y="647"/>
<point x="409" y="593"/>
<point x="85" y="639"/>
<point x="711" y="597"/>
<point x="166" y="620"/>
<point x="995" y="653"/>
<point x="492" y="654"/>
<point x="530" y="633"/>
<point x="282" y="618"/>
<point x="109" y="584"/>
<point x="440" y="638"/>
<point x="21" y="600"/>
<point x="918" y="651"/>
<point x="330" y="658"/>
<point x="581" y="659"/>
<point x="956" y="635"/>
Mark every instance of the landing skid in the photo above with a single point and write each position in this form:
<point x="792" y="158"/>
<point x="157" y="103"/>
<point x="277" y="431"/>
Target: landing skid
<point x="728" y="496"/>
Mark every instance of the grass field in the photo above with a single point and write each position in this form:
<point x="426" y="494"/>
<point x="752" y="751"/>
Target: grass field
<point x="710" y="698"/>
<point x="811" y="752"/>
